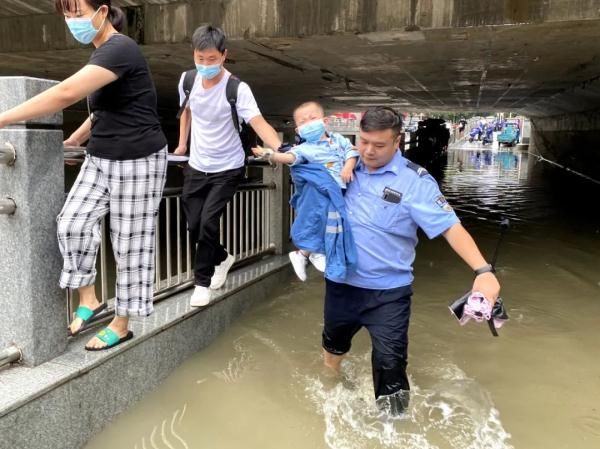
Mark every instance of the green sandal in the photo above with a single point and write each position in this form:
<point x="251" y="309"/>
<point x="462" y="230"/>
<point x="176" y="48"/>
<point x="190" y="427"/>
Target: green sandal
<point x="111" y="339"/>
<point x="86" y="315"/>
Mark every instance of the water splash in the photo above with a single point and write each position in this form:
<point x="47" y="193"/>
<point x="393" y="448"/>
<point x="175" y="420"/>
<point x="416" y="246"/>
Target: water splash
<point x="268" y="342"/>
<point x="236" y="366"/>
<point x="455" y="413"/>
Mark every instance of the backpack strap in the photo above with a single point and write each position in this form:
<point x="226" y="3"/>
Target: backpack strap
<point x="231" y="90"/>
<point x="188" y="85"/>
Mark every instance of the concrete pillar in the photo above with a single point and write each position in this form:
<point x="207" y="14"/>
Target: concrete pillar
<point x="33" y="308"/>
<point x="279" y="207"/>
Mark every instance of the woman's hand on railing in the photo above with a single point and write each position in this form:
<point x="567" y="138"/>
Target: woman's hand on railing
<point x="71" y="145"/>
<point x="71" y="142"/>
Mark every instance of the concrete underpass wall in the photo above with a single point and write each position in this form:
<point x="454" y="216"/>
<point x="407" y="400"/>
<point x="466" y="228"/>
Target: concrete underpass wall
<point x="468" y="13"/>
<point x="174" y="21"/>
<point x="572" y="140"/>
<point x="565" y="128"/>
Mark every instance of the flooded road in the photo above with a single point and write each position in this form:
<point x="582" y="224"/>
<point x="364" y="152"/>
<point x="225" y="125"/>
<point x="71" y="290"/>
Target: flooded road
<point x="535" y="387"/>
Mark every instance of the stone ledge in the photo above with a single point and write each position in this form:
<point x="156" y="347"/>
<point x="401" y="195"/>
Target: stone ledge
<point x="63" y="403"/>
<point x="15" y="90"/>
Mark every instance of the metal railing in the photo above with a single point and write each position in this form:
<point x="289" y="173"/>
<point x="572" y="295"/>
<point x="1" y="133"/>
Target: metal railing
<point x="244" y="232"/>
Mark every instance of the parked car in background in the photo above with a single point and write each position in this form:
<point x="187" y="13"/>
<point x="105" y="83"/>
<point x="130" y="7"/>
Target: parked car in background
<point x="509" y="135"/>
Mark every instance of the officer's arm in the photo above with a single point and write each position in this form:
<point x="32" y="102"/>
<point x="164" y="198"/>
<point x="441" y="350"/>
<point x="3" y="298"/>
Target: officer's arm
<point x="266" y="132"/>
<point x="464" y="245"/>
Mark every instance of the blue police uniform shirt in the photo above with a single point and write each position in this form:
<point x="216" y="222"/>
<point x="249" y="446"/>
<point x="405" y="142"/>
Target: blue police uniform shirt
<point x="385" y="232"/>
<point x="332" y="154"/>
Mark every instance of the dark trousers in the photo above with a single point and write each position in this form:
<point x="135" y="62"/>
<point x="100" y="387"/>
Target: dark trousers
<point x="385" y="314"/>
<point x="205" y="196"/>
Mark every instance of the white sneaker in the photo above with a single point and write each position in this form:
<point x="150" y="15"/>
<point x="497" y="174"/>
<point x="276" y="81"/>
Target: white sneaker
<point x="200" y="297"/>
<point x="221" y="270"/>
<point x="318" y="261"/>
<point x="299" y="262"/>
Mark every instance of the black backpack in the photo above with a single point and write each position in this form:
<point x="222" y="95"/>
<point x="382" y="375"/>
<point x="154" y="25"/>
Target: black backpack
<point x="246" y="133"/>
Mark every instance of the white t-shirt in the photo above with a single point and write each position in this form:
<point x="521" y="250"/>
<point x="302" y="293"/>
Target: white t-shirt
<point x="215" y="144"/>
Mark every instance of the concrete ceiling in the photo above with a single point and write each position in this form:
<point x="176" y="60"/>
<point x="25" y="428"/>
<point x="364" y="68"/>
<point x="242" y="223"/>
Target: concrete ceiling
<point x="10" y="8"/>
<point x="536" y="68"/>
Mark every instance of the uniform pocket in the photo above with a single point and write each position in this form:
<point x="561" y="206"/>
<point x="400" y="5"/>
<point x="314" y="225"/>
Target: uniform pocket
<point x="385" y="214"/>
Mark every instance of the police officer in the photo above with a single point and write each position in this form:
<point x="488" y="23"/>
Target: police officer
<point x="388" y="200"/>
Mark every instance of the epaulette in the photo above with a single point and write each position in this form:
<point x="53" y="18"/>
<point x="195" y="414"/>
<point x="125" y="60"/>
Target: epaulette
<point x="417" y="168"/>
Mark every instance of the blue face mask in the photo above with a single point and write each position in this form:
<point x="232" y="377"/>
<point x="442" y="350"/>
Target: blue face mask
<point x="312" y="131"/>
<point x="82" y="29"/>
<point x="208" y="71"/>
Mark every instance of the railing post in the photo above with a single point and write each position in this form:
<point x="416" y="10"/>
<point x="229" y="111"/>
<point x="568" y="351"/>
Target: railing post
<point x="279" y="207"/>
<point x="32" y="306"/>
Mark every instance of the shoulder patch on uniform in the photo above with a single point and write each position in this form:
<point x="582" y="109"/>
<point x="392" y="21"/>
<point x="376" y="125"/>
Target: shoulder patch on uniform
<point x="443" y="203"/>
<point x="417" y="168"/>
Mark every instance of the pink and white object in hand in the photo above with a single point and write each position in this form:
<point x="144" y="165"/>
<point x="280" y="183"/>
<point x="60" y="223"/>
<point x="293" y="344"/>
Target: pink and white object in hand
<point x="479" y="309"/>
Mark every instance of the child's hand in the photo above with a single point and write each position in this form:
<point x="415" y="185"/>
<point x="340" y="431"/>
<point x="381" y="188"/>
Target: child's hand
<point x="347" y="174"/>
<point x="258" y="151"/>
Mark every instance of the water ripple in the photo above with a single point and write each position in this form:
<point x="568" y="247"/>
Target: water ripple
<point x="589" y="424"/>
<point x="165" y="435"/>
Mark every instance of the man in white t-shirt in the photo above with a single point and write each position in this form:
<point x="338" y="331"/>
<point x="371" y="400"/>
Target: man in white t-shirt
<point x="217" y="157"/>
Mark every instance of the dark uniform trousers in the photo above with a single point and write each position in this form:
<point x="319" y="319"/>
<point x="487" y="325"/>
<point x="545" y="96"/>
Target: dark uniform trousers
<point x="205" y="196"/>
<point x="385" y="314"/>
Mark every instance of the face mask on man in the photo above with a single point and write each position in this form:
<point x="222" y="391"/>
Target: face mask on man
<point x="82" y="28"/>
<point x="312" y="131"/>
<point x="208" y="71"/>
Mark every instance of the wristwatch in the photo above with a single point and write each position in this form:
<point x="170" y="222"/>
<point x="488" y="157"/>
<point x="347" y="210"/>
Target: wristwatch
<point x="487" y="268"/>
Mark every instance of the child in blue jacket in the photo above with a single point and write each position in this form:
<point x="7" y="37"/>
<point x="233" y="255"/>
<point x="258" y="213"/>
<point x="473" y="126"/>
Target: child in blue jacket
<point x="331" y="150"/>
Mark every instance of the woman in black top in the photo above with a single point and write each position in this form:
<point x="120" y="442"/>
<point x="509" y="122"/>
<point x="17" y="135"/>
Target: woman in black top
<point x="123" y="172"/>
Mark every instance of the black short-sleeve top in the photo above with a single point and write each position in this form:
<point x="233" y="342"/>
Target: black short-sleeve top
<point x="125" y="123"/>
